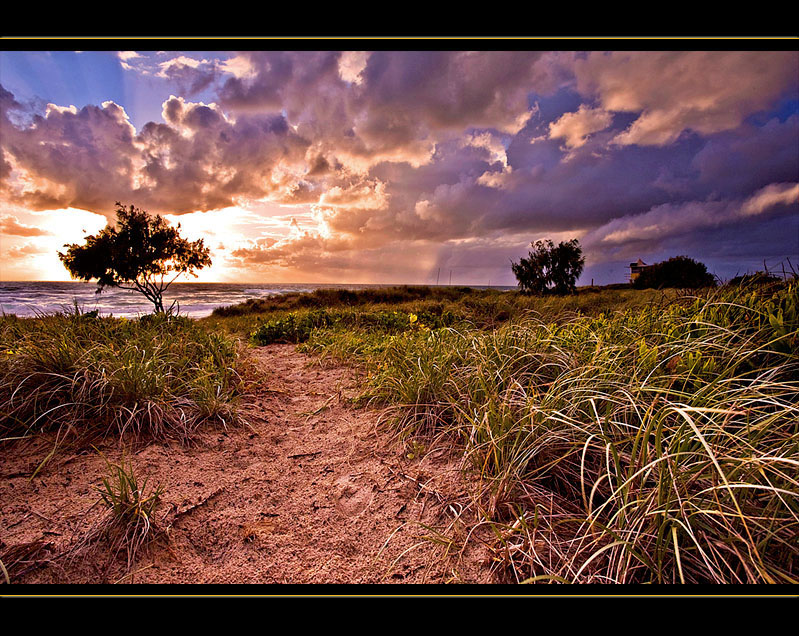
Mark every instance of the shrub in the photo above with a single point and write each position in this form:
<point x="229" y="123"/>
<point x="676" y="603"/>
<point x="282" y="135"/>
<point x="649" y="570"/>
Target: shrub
<point x="680" y="272"/>
<point x="758" y="278"/>
<point x="295" y="327"/>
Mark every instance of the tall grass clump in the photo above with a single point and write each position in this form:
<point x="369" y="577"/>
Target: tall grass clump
<point x="652" y="445"/>
<point x="85" y="376"/>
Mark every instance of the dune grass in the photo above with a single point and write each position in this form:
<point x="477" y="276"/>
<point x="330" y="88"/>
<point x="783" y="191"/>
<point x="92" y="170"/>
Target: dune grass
<point x="87" y="377"/>
<point x="369" y="310"/>
<point x="658" y="444"/>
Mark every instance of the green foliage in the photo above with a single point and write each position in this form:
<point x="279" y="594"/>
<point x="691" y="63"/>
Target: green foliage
<point x="297" y="327"/>
<point x="327" y="298"/>
<point x="294" y="327"/>
<point x="127" y="499"/>
<point x="139" y="254"/>
<point x="758" y="278"/>
<point x="680" y="272"/>
<point x="549" y="268"/>
<point x="130" y="522"/>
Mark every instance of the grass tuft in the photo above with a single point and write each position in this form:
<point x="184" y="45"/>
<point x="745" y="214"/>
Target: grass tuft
<point x="129" y="522"/>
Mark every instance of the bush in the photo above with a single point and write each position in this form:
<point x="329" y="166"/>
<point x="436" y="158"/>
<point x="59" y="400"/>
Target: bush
<point x="680" y="272"/>
<point x="293" y="328"/>
<point x="296" y="327"/>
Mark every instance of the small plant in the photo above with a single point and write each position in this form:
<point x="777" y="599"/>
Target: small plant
<point x="129" y="523"/>
<point x="415" y="449"/>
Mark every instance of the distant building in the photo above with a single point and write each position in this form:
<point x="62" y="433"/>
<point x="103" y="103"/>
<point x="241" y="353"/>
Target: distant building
<point x="636" y="269"/>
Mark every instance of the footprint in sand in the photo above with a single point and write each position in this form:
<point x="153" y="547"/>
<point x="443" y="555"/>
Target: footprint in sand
<point x="353" y="499"/>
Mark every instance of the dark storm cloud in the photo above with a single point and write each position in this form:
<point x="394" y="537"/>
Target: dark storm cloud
<point x="748" y="158"/>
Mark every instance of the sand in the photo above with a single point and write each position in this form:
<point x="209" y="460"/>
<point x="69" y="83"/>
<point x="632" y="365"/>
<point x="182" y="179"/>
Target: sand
<point x="311" y="491"/>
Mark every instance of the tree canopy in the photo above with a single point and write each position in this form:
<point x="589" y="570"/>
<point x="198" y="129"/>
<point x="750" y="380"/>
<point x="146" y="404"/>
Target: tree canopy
<point x="143" y="253"/>
<point x="550" y="268"/>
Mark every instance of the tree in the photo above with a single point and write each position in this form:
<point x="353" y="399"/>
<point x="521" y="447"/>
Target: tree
<point x="679" y="271"/>
<point x="143" y="253"/>
<point x="550" y="269"/>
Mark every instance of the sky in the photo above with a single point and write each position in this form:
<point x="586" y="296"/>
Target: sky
<point x="405" y="166"/>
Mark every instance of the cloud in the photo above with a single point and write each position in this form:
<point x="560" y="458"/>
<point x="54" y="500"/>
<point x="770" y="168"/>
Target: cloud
<point x="675" y="220"/>
<point x="446" y="151"/>
<point x="776" y="194"/>
<point x="677" y="91"/>
<point x="191" y="76"/>
<point x="125" y="57"/>
<point x="24" y="251"/>
<point x="198" y="160"/>
<point x="575" y="127"/>
<point x="351" y="64"/>
<point x="69" y="156"/>
<point x="10" y="226"/>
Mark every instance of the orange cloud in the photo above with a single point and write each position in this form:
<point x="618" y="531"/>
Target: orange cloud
<point x="10" y="225"/>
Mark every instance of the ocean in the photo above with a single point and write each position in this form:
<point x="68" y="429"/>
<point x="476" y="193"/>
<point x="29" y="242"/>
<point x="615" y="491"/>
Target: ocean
<point x="196" y="300"/>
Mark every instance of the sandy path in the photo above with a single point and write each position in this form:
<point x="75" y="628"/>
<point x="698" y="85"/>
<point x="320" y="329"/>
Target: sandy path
<point x="310" y="492"/>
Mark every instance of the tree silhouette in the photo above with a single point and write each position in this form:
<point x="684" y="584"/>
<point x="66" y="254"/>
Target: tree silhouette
<point x="679" y="271"/>
<point x="143" y="253"/>
<point x="550" y="269"/>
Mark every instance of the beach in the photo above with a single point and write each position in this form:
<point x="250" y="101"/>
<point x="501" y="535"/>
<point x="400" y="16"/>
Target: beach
<point x="406" y="435"/>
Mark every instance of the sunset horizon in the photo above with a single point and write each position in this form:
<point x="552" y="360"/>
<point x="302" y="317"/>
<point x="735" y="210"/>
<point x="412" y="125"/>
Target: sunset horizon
<point x="405" y="167"/>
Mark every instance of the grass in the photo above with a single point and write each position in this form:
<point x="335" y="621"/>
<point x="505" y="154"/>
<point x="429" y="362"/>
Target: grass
<point x="86" y="378"/>
<point x="128" y="524"/>
<point x="80" y="379"/>
<point x="130" y="520"/>
<point x="372" y="309"/>
<point x="618" y="437"/>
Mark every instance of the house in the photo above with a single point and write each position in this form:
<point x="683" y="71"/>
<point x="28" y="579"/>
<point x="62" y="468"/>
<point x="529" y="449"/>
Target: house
<point x="636" y="269"/>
